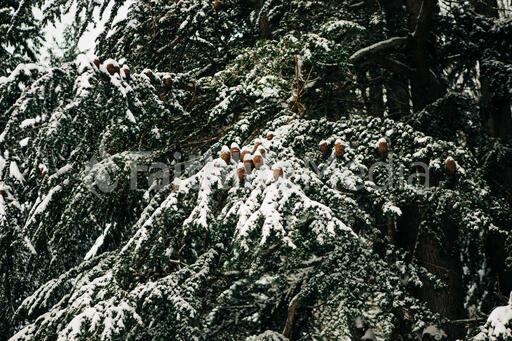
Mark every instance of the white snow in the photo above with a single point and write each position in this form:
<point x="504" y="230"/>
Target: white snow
<point x="341" y="25"/>
<point x="40" y="205"/>
<point x="3" y="163"/>
<point x="97" y="244"/>
<point x="15" y="173"/>
<point x="21" y="69"/>
<point x="130" y="116"/>
<point x="500" y="321"/>
<point x="24" y="142"/>
<point x="42" y="168"/>
<point x="381" y="140"/>
<point x="435" y="332"/>
<point x="390" y="208"/>
<point x="30" y="246"/>
<point x="83" y="63"/>
<point x="29" y="122"/>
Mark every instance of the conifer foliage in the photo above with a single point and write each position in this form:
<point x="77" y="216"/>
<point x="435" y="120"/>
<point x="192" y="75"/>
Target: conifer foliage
<point x="229" y="170"/>
<point x="19" y="35"/>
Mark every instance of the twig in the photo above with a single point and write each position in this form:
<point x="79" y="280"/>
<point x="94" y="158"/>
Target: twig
<point x="178" y="262"/>
<point x="466" y="321"/>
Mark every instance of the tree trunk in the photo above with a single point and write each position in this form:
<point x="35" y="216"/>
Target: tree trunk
<point x="425" y="88"/>
<point x="263" y="23"/>
<point x="397" y="86"/>
<point x="496" y="109"/>
<point x="424" y="249"/>
<point x="496" y="112"/>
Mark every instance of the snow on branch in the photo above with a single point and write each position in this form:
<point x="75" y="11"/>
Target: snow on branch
<point x="395" y="42"/>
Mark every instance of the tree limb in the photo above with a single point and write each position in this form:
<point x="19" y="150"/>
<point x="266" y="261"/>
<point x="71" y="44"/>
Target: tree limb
<point x="466" y="321"/>
<point x="395" y="42"/>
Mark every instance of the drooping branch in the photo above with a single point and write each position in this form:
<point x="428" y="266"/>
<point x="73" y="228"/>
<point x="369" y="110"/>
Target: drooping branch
<point x="395" y="42"/>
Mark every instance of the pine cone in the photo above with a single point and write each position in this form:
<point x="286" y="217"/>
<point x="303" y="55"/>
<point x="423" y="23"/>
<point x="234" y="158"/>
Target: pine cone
<point x="245" y="151"/>
<point x="451" y="166"/>
<point x="167" y="81"/>
<point x="339" y="149"/>
<point x="262" y="151"/>
<point x="111" y="69"/>
<point x="240" y="172"/>
<point x="248" y="163"/>
<point x="235" y="152"/>
<point x="256" y="145"/>
<point x="278" y="172"/>
<point x="258" y="160"/>
<point x="383" y="147"/>
<point x="225" y="155"/>
<point x="150" y="75"/>
<point x="126" y="71"/>
<point x="323" y="147"/>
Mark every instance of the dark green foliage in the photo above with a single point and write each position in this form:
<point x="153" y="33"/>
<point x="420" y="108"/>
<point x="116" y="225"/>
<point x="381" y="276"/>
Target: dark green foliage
<point x="327" y="251"/>
<point x="19" y="35"/>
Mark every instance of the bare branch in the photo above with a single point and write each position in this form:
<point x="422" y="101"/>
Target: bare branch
<point x="467" y="321"/>
<point x="395" y="42"/>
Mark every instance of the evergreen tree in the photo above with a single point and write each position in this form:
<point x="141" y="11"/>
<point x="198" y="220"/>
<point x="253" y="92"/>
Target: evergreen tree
<point x="304" y="239"/>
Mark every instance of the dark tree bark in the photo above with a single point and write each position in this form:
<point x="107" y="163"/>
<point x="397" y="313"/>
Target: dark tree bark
<point x="397" y="85"/>
<point x="497" y="113"/>
<point x="496" y="109"/>
<point x="375" y="96"/>
<point x="264" y="25"/>
<point x="424" y="249"/>
<point x="425" y="86"/>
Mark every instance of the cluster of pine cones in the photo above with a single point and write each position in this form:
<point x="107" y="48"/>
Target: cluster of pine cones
<point x="248" y="158"/>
